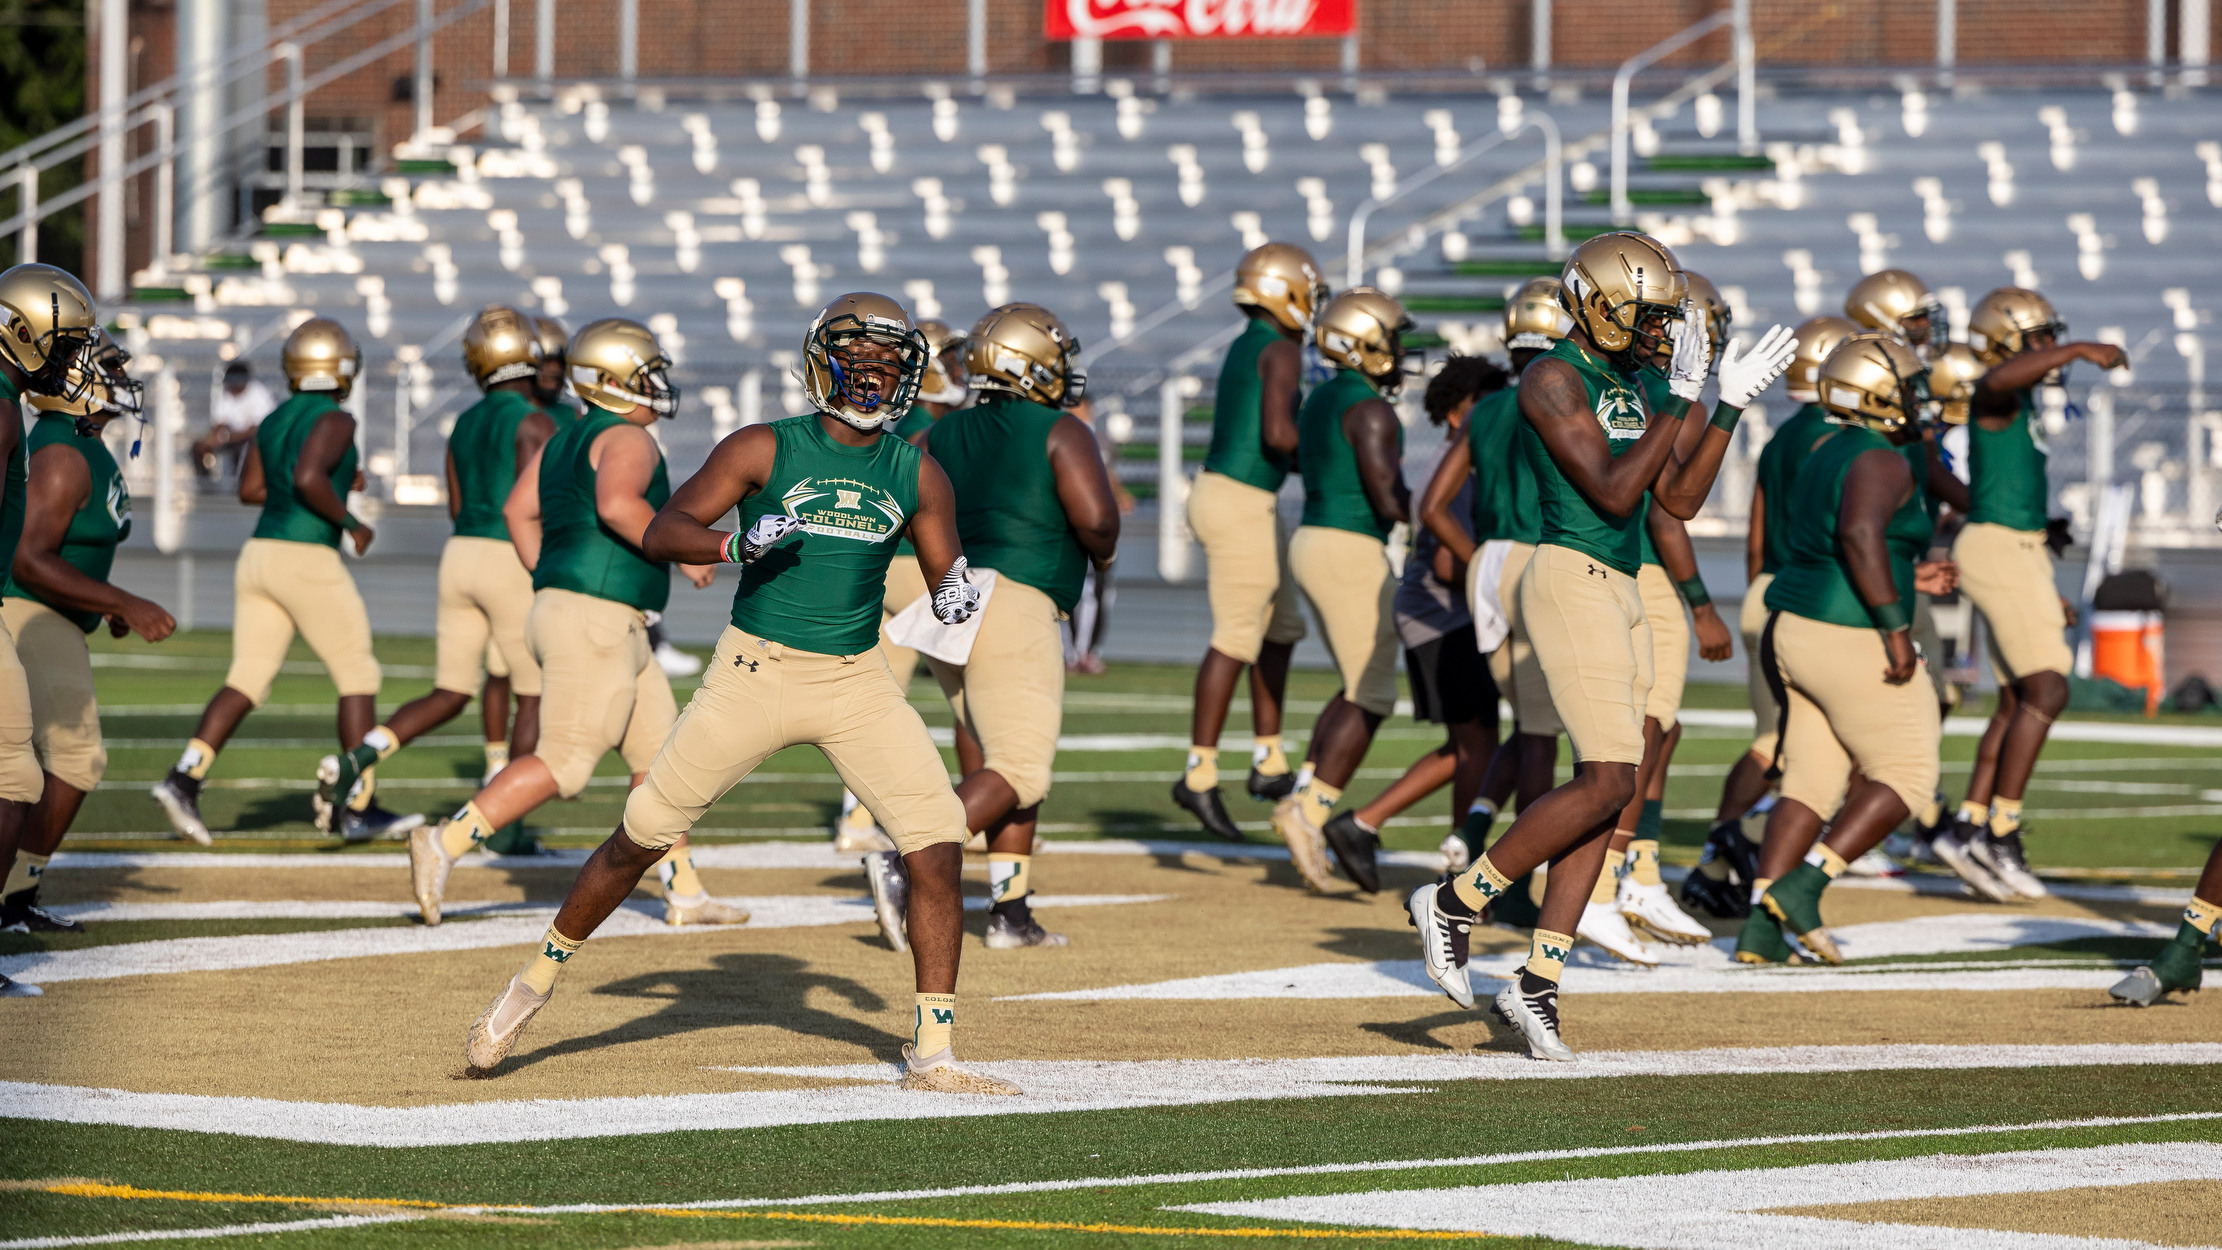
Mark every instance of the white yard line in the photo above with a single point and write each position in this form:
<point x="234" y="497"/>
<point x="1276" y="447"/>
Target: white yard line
<point x="201" y="1234"/>
<point x="1727" y="1209"/>
<point x="868" y="1092"/>
<point x="1385" y="1165"/>
<point x="510" y="925"/>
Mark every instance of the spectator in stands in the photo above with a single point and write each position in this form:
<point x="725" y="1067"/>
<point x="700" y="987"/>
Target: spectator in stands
<point x="241" y="404"/>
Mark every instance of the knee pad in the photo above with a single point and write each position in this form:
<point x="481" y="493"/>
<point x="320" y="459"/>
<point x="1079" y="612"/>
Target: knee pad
<point x="651" y="821"/>
<point x="356" y="676"/>
<point x="20" y="778"/>
<point x="79" y="768"/>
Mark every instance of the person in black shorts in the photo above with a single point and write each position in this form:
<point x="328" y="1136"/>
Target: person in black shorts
<point x="1449" y="676"/>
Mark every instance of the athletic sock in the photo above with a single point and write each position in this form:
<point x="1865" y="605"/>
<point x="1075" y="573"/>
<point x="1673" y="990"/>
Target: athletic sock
<point x="1474" y="888"/>
<point x="2201" y="915"/>
<point x="1475" y="831"/>
<point x="1932" y="812"/>
<point x="2005" y="817"/>
<point x="1643" y="861"/>
<point x="1649" y="823"/>
<point x="935" y="1019"/>
<point x="1008" y="874"/>
<point x="1203" y="767"/>
<point x="465" y="830"/>
<point x="1608" y="878"/>
<point x="1320" y="799"/>
<point x="25" y="875"/>
<point x="1758" y="887"/>
<point x="1547" y="953"/>
<point x="199" y="757"/>
<point x="1826" y="860"/>
<point x="555" y="951"/>
<point x="1266" y="757"/>
<point x="380" y="742"/>
<point x="497" y="757"/>
<point x="1303" y="776"/>
<point x="366" y="789"/>
<point x="1976" y="814"/>
<point x="676" y="871"/>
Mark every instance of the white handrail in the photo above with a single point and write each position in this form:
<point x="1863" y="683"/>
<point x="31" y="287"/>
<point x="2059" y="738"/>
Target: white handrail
<point x="1354" y="268"/>
<point x="1554" y="219"/>
<point x="1739" y="17"/>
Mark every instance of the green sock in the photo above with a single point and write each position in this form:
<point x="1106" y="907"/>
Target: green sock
<point x="1475" y="832"/>
<point x="1654" y="815"/>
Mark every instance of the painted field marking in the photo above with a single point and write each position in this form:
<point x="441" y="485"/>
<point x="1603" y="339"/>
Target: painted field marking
<point x="868" y="1092"/>
<point x="1729" y="1209"/>
<point x="1406" y="1165"/>
<point x="199" y="1234"/>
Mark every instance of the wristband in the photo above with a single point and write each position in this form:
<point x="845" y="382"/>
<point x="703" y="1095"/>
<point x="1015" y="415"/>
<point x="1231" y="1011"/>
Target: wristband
<point x="349" y="523"/>
<point x="1888" y="617"/>
<point x="1693" y="592"/>
<point x="1675" y="408"/>
<point x="730" y="550"/>
<point x="1725" y="418"/>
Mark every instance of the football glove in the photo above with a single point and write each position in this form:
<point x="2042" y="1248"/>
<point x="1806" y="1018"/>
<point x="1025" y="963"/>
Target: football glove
<point x="769" y="531"/>
<point x="1693" y="354"/>
<point x="956" y="599"/>
<point x="1744" y="376"/>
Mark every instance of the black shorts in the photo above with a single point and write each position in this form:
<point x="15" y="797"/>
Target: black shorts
<point x="1450" y="680"/>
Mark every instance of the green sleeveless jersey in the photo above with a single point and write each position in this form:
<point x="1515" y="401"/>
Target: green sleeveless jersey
<point x="484" y="448"/>
<point x="1334" y="495"/>
<point x="1816" y="583"/>
<point x="996" y="454"/>
<point x="1569" y="518"/>
<point x="2006" y="471"/>
<point x="279" y="439"/>
<point x="1504" y="481"/>
<point x="1779" y="462"/>
<point x="577" y="551"/>
<point x="104" y="520"/>
<point x="821" y="591"/>
<point x="1238" y="447"/>
<point x="12" y="488"/>
<point x="913" y="424"/>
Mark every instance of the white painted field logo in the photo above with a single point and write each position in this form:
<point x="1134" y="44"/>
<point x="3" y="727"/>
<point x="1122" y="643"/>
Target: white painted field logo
<point x="859" y="510"/>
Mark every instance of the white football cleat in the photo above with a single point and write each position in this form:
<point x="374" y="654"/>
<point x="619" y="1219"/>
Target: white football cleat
<point x="1443" y="944"/>
<point x="1603" y="926"/>
<point x="429" y="867"/>
<point x="1456" y="858"/>
<point x="1651" y="909"/>
<point x="938" y="1073"/>
<point x="1873" y="864"/>
<point x="855" y="832"/>
<point x="701" y="909"/>
<point x="676" y="663"/>
<point x="1307" y="843"/>
<point x="1535" y="1018"/>
<point x="494" y="1034"/>
<point x="889" y="882"/>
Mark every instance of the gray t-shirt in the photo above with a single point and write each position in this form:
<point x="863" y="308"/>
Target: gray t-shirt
<point x="1426" y="609"/>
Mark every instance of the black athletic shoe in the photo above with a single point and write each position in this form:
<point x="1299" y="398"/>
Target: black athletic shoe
<point x="180" y="797"/>
<point x="1208" y="810"/>
<point x="375" y="823"/>
<point x="1271" y="787"/>
<point x="1354" y="849"/>
<point x="1726" y="841"/>
<point x="21" y="913"/>
<point x="1716" y="896"/>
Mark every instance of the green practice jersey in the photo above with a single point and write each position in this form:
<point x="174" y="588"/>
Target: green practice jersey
<point x="1334" y="493"/>
<point x="2006" y="471"/>
<point x="279" y="439"/>
<point x="1504" y="482"/>
<point x="104" y="520"/>
<point x="1816" y="583"/>
<point x="1569" y="518"/>
<point x="1238" y="447"/>
<point x="483" y="446"/>
<point x="578" y="552"/>
<point x="1009" y="518"/>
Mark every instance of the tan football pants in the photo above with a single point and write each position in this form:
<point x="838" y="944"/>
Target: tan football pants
<point x="485" y="599"/>
<point x="759" y="697"/>
<point x="1345" y="577"/>
<point x="1751" y="622"/>
<point x="1587" y="623"/>
<point x="905" y="585"/>
<point x="1011" y="694"/>
<point x="58" y="669"/>
<point x="1246" y="574"/>
<point x="280" y="588"/>
<point x="1670" y="643"/>
<point x="601" y="689"/>
<point x="2008" y="574"/>
<point x="1513" y="664"/>
<point x="1843" y="713"/>
<point x="20" y="781"/>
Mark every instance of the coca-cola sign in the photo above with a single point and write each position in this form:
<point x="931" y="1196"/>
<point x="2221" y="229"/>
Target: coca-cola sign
<point x="1198" y="19"/>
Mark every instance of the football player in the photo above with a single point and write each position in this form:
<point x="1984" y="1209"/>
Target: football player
<point x="1234" y="512"/>
<point x="1596" y="449"/>
<point x="2180" y="964"/>
<point x="290" y="578"/>
<point x="485" y="592"/>
<point x="1838" y="645"/>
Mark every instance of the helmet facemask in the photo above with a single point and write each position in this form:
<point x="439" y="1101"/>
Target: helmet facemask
<point x="869" y="369"/>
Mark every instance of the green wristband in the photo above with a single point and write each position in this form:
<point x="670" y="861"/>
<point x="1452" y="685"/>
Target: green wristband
<point x="1888" y="617"/>
<point x="1725" y="418"/>
<point x="348" y="522"/>
<point x="1693" y="592"/>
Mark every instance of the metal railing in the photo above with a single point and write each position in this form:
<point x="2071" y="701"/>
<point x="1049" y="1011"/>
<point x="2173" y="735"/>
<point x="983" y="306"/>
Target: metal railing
<point x="1738" y="18"/>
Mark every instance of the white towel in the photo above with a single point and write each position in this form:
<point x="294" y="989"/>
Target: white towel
<point x="1490" y="625"/>
<point x="918" y="628"/>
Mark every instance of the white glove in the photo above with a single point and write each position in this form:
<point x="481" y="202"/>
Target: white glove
<point x="1744" y="376"/>
<point x="956" y="599"/>
<point x="1693" y="354"/>
<point x="770" y="530"/>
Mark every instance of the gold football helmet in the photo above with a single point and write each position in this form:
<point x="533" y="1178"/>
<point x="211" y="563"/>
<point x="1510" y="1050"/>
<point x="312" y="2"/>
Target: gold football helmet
<point x="1623" y="289"/>
<point x="1280" y="280"/>
<point x="1873" y="379"/>
<point x="320" y="355"/>
<point x="944" y="382"/>
<point x="617" y="365"/>
<point x="1363" y="328"/>
<point x="854" y="387"/>
<point x="1533" y="318"/>
<point x="101" y="383"/>
<point x="48" y="320"/>
<point x="1895" y="301"/>
<point x="501" y="345"/>
<point x="555" y="341"/>
<point x="1817" y="337"/>
<point x="1024" y="350"/>
<point x="2001" y="324"/>
<point x="1713" y="308"/>
<point x="1953" y="374"/>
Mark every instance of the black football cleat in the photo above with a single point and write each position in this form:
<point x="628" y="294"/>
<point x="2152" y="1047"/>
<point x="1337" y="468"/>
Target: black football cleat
<point x="1271" y="787"/>
<point x="1354" y="849"/>
<point x="1207" y="808"/>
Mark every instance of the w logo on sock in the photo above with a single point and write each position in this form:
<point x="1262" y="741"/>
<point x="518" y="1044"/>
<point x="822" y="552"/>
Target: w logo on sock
<point x="555" y="952"/>
<point x="945" y="1015"/>
<point x="1548" y="951"/>
<point x="1481" y="884"/>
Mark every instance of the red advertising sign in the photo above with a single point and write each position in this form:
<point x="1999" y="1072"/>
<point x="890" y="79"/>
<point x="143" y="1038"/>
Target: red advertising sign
<point x="1198" y="19"/>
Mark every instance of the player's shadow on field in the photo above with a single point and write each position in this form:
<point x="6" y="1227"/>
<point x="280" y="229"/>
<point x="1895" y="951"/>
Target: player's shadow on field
<point x="1469" y="1031"/>
<point x="741" y="989"/>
